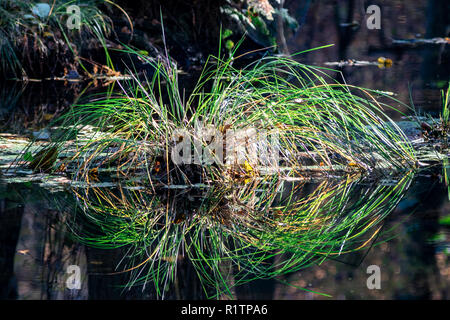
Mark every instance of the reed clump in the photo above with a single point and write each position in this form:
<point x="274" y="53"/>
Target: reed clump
<point x="311" y="125"/>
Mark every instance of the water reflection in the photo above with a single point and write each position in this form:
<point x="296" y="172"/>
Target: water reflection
<point x="37" y="246"/>
<point x="231" y="235"/>
<point x="36" y="249"/>
<point x="422" y="68"/>
<point x="414" y="263"/>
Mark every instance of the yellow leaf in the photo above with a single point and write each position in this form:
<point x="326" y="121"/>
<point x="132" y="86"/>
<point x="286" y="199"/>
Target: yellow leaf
<point x="248" y="168"/>
<point x="384" y="62"/>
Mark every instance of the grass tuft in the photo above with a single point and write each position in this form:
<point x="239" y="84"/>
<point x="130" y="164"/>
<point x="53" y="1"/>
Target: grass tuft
<point x="31" y="31"/>
<point x="319" y="126"/>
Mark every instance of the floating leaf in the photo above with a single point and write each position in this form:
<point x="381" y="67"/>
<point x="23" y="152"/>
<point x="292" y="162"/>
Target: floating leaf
<point x="384" y="62"/>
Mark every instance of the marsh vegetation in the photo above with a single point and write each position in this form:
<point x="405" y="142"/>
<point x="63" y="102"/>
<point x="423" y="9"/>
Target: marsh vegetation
<point x="284" y="165"/>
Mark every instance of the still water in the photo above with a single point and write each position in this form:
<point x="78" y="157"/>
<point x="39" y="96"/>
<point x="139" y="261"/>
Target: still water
<point x="412" y="252"/>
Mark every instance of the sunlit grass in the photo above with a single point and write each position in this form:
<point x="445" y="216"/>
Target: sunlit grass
<point x="242" y="222"/>
<point x="320" y="124"/>
<point x="445" y="114"/>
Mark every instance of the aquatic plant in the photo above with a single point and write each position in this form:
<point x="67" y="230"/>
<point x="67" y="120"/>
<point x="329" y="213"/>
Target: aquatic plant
<point x="445" y="115"/>
<point x="244" y="219"/>
<point x="437" y="129"/>
<point x="30" y="29"/>
<point x="320" y="126"/>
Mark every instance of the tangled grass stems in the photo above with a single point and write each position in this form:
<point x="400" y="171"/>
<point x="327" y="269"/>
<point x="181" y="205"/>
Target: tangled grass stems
<point x="233" y="235"/>
<point x="246" y="221"/>
<point x="318" y="124"/>
<point x="32" y="28"/>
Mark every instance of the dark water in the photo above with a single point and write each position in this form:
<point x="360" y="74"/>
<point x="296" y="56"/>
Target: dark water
<point x="36" y="249"/>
